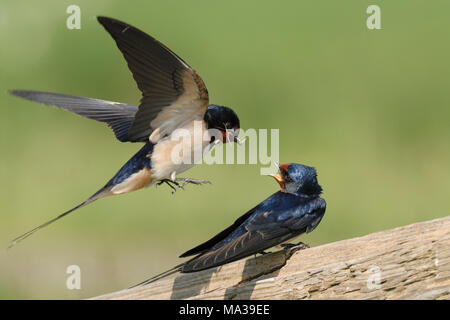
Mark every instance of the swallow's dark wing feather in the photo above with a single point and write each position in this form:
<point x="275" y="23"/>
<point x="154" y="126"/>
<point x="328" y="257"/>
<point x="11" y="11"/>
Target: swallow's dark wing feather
<point x="172" y="92"/>
<point x="259" y="229"/>
<point x="118" y="116"/>
<point x="245" y="245"/>
<point x="249" y="243"/>
<point x="264" y="231"/>
<point x="219" y="237"/>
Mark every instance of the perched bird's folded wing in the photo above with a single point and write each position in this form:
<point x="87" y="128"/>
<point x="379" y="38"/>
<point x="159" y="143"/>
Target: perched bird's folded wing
<point x="172" y="92"/>
<point x="118" y="116"/>
<point x="304" y="219"/>
<point x="263" y="231"/>
<point x="219" y="237"/>
<point x="251" y="242"/>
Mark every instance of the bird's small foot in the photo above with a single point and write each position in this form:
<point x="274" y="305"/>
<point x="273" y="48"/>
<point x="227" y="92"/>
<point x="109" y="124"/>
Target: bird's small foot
<point x="171" y="184"/>
<point x="185" y="181"/>
<point x="262" y="253"/>
<point x="298" y="246"/>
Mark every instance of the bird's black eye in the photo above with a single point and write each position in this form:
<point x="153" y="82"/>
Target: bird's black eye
<point x="286" y="177"/>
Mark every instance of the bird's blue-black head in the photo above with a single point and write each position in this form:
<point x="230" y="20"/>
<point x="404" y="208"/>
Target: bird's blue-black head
<point x="223" y="119"/>
<point x="299" y="179"/>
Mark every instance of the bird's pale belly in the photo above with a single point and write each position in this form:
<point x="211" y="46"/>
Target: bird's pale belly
<point x="176" y="154"/>
<point x="136" y="181"/>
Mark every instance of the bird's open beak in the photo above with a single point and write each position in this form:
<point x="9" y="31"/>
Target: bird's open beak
<point x="279" y="179"/>
<point x="239" y="141"/>
<point x="226" y="136"/>
<point x="232" y="135"/>
<point x="278" y="176"/>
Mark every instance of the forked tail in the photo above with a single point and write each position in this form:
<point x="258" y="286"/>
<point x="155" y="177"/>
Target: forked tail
<point x="159" y="276"/>
<point x="99" y="194"/>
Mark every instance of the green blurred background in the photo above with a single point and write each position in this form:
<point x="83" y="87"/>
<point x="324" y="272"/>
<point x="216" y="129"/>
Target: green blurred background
<point x="369" y="109"/>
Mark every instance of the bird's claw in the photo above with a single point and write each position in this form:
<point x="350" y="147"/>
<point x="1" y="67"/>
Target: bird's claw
<point x="298" y="246"/>
<point x="180" y="183"/>
<point x="185" y="181"/>
<point x="171" y="184"/>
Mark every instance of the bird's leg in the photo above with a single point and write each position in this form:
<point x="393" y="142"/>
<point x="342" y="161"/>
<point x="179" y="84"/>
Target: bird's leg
<point x="174" y="181"/>
<point x="185" y="181"/>
<point x="298" y="246"/>
<point x="170" y="183"/>
<point x="263" y="253"/>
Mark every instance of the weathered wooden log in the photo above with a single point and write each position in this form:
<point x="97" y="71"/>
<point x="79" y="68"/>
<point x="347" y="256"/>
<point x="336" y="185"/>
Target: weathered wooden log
<point x="410" y="262"/>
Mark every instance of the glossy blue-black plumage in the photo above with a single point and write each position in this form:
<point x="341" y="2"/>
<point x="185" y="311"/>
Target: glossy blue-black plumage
<point x="138" y="162"/>
<point x="299" y="204"/>
<point x="296" y="209"/>
<point x="162" y="78"/>
<point x="278" y="219"/>
<point x="221" y="118"/>
<point x="280" y="207"/>
<point x="300" y="179"/>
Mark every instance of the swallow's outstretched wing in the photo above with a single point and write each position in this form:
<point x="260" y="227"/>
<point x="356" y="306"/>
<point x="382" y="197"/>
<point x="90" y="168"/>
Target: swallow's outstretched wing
<point x="118" y="116"/>
<point x="172" y="92"/>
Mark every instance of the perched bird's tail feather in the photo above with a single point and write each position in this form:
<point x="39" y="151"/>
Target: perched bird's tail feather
<point x="160" y="276"/>
<point x="99" y="194"/>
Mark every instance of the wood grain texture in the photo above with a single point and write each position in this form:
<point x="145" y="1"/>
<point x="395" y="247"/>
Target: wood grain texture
<point x="410" y="262"/>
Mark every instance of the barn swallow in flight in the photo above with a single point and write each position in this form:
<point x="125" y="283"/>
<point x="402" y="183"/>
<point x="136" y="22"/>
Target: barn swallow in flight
<point x="295" y="209"/>
<point x="173" y="97"/>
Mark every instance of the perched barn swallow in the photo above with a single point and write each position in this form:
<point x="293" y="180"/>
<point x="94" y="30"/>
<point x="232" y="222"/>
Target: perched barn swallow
<point x="295" y="209"/>
<point x="173" y="97"/>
